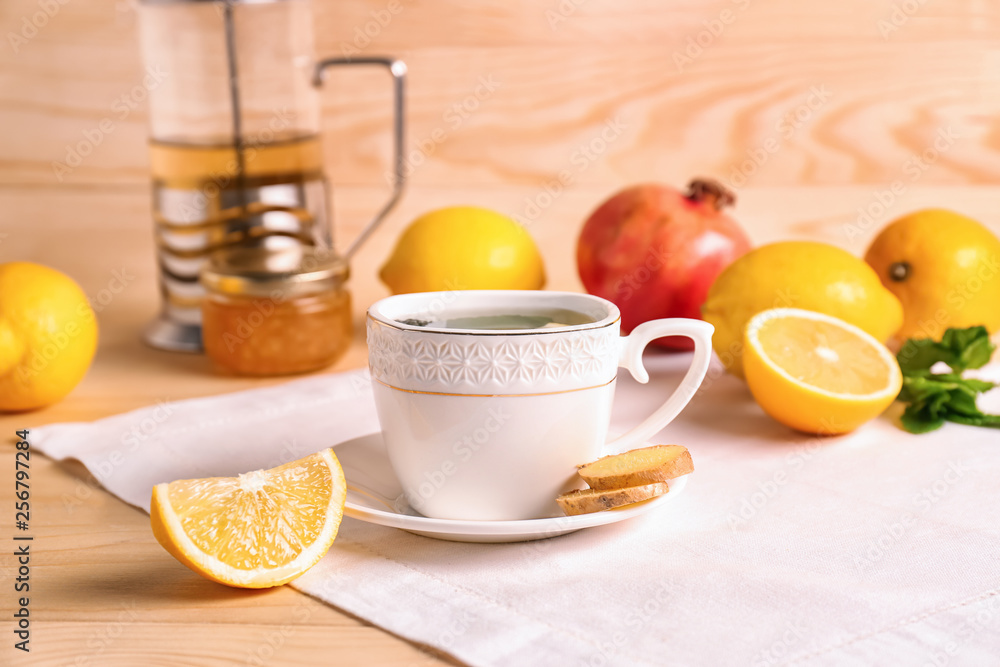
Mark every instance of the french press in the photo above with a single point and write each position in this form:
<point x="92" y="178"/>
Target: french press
<point x="235" y="151"/>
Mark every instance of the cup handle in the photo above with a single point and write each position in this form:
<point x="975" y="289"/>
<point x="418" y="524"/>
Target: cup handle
<point x="630" y="357"/>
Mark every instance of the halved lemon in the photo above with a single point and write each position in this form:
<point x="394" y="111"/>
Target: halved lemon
<point x="816" y="373"/>
<point x="260" y="529"/>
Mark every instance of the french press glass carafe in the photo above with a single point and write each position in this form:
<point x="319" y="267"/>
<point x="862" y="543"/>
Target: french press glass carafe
<point x="234" y="141"/>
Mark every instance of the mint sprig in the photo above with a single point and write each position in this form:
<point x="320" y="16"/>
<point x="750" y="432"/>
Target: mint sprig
<point x="934" y="398"/>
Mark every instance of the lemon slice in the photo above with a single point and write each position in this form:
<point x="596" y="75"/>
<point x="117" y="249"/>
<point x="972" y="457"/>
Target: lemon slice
<point x="260" y="529"/>
<point x="816" y="373"/>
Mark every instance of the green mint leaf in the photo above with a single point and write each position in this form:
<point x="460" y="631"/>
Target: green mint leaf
<point x="918" y="355"/>
<point x="970" y="384"/>
<point x="977" y="353"/>
<point x="957" y="340"/>
<point x="978" y="386"/>
<point x="937" y="406"/>
<point x="960" y="349"/>
<point x="962" y="403"/>
<point x="933" y="398"/>
<point x="992" y="421"/>
<point x="916" y="422"/>
<point x="924" y="388"/>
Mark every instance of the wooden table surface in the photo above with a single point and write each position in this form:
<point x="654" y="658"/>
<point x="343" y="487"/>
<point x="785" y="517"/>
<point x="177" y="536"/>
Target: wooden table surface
<point x="103" y="592"/>
<point x="813" y="109"/>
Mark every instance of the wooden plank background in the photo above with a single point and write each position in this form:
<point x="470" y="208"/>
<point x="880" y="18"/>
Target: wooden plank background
<point x="811" y="107"/>
<point x="698" y="86"/>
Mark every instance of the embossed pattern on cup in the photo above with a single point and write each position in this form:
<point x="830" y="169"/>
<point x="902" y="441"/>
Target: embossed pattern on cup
<point x="491" y="364"/>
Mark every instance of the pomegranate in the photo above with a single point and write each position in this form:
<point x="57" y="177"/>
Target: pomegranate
<point x="654" y="251"/>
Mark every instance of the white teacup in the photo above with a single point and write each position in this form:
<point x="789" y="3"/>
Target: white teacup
<point x="490" y="424"/>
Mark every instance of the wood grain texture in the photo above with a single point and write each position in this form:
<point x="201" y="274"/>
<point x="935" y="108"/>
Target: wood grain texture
<point x="105" y="593"/>
<point x="102" y="231"/>
<point x="810" y="109"/>
<point x="195" y="645"/>
<point x="560" y="70"/>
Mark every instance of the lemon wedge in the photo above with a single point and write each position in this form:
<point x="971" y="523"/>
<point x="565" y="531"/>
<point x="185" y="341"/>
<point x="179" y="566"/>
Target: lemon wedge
<point x="260" y="529"/>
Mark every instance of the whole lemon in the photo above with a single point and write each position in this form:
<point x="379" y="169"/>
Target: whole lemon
<point x="796" y="274"/>
<point x="48" y="335"/>
<point x="463" y="247"/>
<point x="945" y="269"/>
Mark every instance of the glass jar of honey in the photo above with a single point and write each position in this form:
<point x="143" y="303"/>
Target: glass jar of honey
<point x="275" y="312"/>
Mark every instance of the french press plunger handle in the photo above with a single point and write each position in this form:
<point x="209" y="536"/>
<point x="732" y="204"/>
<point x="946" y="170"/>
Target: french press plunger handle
<point x="398" y="70"/>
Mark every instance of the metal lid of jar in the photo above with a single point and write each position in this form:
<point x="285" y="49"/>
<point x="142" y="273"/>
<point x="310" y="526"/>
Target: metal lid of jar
<point x="283" y="273"/>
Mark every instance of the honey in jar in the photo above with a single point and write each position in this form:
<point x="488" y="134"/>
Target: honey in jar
<point x="275" y="312"/>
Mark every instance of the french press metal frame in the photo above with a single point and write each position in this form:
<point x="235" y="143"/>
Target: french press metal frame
<point x="169" y="334"/>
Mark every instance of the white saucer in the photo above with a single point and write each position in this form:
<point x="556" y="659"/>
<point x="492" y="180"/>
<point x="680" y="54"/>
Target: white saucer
<point x="375" y="495"/>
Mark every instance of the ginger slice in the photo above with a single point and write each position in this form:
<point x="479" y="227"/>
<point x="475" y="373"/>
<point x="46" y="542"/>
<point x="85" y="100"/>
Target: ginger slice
<point x="585" y="501"/>
<point x="637" y="467"/>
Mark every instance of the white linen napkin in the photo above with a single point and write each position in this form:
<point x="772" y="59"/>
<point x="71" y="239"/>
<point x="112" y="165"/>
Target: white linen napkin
<point x="875" y="548"/>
